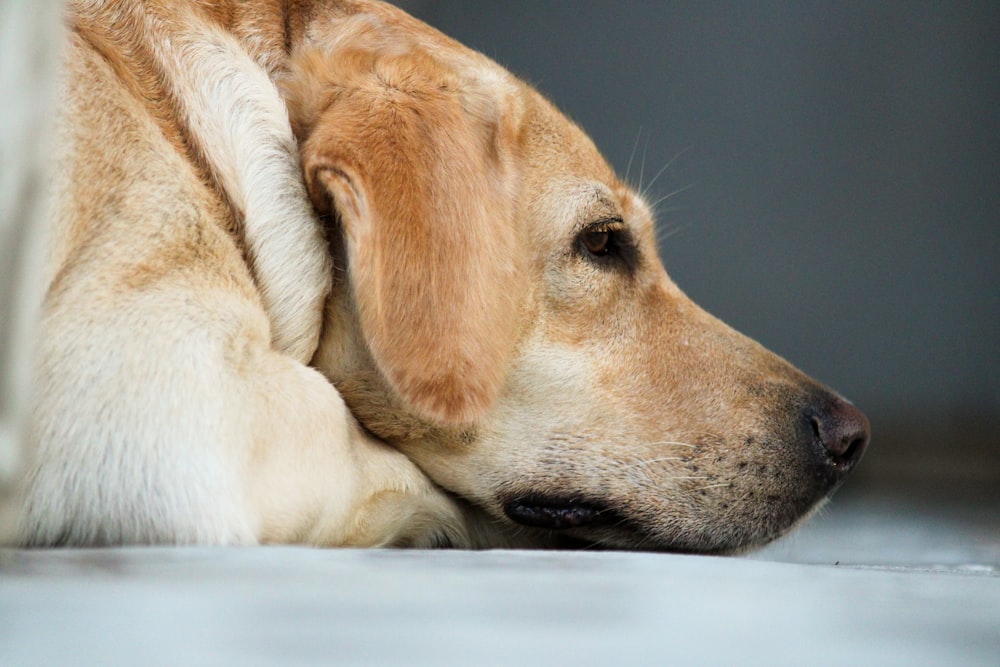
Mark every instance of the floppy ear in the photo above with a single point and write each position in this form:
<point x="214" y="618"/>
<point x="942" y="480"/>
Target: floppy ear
<point x="412" y="162"/>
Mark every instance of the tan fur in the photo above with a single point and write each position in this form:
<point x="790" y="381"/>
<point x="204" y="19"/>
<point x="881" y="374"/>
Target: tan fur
<point x="413" y="156"/>
<point x="466" y="327"/>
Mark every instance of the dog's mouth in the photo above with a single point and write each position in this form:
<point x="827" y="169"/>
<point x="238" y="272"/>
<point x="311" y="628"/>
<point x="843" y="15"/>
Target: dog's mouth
<point x="558" y="513"/>
<point x="579" y="523"/>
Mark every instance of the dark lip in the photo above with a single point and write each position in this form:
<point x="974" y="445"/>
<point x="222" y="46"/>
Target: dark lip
<point x="557" y="512"/>
<point x="579" y="522"/>
<point x="586" y="524"/>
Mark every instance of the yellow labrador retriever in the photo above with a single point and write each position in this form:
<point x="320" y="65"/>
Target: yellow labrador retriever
<point x="321" y="275"/>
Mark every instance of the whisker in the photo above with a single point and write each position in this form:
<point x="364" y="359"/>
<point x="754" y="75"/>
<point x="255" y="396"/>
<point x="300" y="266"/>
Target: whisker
<point x="671" y="194"/>
<point x="675" y="443"/>
<point x="631" y="155"/>
<point x="642" y="167"/>
<point x="663" y="169"/>
<point x="657" y="460"/>
<point x="669" y="209"/>
<point x="662" y="233"/>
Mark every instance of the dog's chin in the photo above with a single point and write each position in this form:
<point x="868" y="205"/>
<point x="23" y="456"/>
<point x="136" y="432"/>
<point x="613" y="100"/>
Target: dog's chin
<point x="573" y="522"/>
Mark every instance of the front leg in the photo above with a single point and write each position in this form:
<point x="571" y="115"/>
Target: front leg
<point x="317" y="477"/>
<point x="150" y="431"/>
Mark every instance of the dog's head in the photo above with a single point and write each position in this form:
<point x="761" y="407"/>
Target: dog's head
<point x="501" y="314"/>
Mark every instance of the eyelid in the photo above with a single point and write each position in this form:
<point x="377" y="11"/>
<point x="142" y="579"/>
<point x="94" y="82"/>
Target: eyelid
<point x="610" y="223"/>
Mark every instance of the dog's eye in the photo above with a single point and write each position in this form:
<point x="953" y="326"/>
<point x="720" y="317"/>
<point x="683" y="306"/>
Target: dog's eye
<point x="608" y="243"/>
<point x="597" y="242"/>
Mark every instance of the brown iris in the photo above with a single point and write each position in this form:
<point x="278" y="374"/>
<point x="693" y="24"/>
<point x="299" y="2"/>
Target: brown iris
<point x="597" y="242"/>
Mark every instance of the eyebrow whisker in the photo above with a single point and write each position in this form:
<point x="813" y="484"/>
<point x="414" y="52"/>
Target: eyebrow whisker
<point x="631" y="155"/>
<point x="663" y="169"/>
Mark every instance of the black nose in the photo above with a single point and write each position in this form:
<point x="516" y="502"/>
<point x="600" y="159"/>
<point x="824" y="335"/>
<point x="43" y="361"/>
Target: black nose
<point x="841" y="429"/>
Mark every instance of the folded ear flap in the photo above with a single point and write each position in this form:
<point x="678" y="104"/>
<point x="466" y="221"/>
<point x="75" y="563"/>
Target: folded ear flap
<point x="417" y="173"/>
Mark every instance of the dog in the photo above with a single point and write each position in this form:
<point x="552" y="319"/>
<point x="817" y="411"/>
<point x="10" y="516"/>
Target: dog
<point x="320" y="274"/>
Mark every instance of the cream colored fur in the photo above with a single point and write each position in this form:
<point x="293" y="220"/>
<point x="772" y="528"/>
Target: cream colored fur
<point x="321" y="275"/>
<point x="187" y="415"/>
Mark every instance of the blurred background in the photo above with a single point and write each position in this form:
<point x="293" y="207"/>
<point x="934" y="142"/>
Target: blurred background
<point x="828" y="178"/>
<point x="831" y="174"/>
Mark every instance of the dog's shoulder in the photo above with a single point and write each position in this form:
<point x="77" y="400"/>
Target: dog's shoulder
<point x="195" y="84"/>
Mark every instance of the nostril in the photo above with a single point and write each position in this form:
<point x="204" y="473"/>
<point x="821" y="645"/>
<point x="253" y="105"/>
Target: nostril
<point x="817" y="428"/>
<point x="842" y="430"/>
<point x="854" y="450"/>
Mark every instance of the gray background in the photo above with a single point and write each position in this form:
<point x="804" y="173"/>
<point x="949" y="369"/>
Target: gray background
<point x="837" y="168"/>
